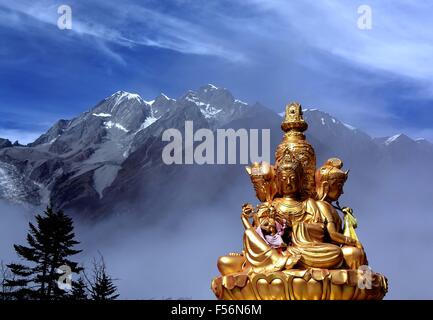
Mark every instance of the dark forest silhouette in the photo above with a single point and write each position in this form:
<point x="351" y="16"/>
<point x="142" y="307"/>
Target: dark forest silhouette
<point x="47" y="271"/>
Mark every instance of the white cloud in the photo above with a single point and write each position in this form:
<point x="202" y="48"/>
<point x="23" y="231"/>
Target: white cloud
<point x="305" y="50"/>
<point x="22" y="136"/>
<point x="151" y="28"/>
<point x="399" y="42"/>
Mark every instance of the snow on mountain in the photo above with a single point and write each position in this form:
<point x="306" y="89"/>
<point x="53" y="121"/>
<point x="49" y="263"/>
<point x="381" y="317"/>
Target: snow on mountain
<point x="100" y="152"/>
<point x="326" y="120"/>
<point x="392" y="139"/>
<point x="120" y="96"/>
<point x="167" y="97"/>
<point x="80" y="158"/>
<point x="211" y="86"/>
<point x="218" y="105"/>
<point x="349" y="126"/>
<point x="57" y="129"/>
<point x="12" y="187"/>
<point x="424" y="142"/>
<point x="241" y="102"/>
<point x="110" y="124"/>
<point x="399" y="140"/>
<point x="149" y="121"/>
<point x="162" y="104"/>
<point x="208" y="111"/>
<point x="104" y="115"/>
<point x="192" y="96"/>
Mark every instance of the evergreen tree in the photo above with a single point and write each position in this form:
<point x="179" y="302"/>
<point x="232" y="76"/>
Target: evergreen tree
<point x="101" y="285"/>
<point x="50" y="244"/>
<point x="79" y="290"/>
<point x="15" y="285"/>
<point x="5" y="277"/>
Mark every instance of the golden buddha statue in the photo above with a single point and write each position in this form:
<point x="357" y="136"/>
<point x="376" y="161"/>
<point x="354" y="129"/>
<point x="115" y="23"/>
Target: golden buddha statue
<point x="330" y="180"/>
<point x="335" y="190"/>
<point x="295" y="141"/>
<point x="294" y="247"/>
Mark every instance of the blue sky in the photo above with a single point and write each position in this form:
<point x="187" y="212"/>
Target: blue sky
<point x="380" y="80"/>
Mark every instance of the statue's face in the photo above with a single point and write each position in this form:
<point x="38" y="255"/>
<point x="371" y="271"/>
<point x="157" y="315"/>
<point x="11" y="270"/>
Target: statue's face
<point x="335" y="189"/>
<point x="288" y="181"/>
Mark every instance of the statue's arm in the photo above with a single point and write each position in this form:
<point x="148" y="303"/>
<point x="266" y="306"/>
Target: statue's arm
<point x="328" y="213"/>
<point x="338" y="237"/>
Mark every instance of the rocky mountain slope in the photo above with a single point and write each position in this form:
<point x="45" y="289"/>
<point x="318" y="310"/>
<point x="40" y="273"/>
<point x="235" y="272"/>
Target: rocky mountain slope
<point x="108" y="159"/>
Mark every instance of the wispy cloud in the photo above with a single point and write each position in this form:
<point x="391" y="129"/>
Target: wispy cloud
<point x="269" y="51"/>
<point x="151" y="28"/>
<point x="399" y="41"/>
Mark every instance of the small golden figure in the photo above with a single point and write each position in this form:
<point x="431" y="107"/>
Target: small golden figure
<point x="295" y="247"/>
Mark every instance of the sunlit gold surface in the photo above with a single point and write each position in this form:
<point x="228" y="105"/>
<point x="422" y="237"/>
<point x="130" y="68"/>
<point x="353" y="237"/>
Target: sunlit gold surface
<point x="295" y="246"/>
<point x="310" y="284"/>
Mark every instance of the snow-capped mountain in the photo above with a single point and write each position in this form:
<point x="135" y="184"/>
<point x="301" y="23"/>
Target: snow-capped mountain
<point x="76" y="160"/>
<point x="216" y="104"/>
<point x="401" y="148"/>
<point x="401" y="139"/>
<point x="110" y="156"/>
<point x="338" y="138"/>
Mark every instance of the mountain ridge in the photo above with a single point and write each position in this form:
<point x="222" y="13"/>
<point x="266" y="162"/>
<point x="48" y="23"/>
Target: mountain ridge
<point x="85" y="163"/>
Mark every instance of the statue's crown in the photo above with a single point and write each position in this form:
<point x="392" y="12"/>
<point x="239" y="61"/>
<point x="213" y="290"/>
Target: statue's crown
<point x="331" y="170"/>
<point x="289" y="161"/>
<point x="293" y="119"/>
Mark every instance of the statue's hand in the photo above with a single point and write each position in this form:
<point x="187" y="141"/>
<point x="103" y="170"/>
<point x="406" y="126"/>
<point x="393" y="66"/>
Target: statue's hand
<point x="247" y="210"/>
<point x="359" y="245"/>
<point x="354" y="243"/>
<point x="347" y="210"/>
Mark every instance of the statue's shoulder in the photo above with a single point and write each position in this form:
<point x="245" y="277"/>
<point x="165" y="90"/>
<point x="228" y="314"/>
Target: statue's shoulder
<point x="311" y="205"/>
<point x="321" y="210"/>
<point x="323" y="205"/>
<point x="328" y="212"/>
<point x="311" y="208"/>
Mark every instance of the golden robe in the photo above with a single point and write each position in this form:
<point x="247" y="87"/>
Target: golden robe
<point x="308" y="237"/>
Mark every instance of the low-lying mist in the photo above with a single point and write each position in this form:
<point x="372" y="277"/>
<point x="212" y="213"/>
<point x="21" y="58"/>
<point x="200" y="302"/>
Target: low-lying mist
<point x="176" y="258"/>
